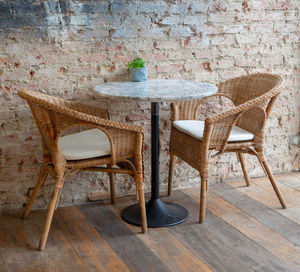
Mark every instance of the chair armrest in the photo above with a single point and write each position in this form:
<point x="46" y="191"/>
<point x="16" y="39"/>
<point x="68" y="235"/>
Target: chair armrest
<point x="218" y="127"/>
<point x="240" y="108"/>
<point x="110" y="124"/>
<point x="88" y="119"/>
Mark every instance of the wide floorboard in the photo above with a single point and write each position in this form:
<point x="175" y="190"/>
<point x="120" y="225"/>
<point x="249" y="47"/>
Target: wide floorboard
<point x="245" y="230"/>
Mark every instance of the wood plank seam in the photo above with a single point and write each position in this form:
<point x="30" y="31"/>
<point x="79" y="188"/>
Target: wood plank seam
<point x="117" y="212"/>
<point x="77" y="253"/>
<point x="252" y="218"/>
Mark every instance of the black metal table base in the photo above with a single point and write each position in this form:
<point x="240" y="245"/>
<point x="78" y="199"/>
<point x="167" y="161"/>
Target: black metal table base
<point x="159" y="214"/>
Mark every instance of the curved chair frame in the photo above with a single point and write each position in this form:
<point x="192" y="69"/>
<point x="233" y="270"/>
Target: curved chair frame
<point x="53" y="117"/>
<point x="253" y="97"/>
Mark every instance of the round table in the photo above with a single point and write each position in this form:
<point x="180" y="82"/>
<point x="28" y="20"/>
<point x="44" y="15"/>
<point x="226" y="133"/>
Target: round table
<point x="159" y="213"/>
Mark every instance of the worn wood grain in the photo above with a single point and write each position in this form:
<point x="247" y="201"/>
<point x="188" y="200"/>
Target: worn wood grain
<point x="207" y="247"/>
<point x="201" y="239"/>
<point x="296" y="174"/>
<point x="58" y="248"/>
<point x="245" y="230"/>
<point x="292" y="180"/>
<point x="284" y="249"/>
<point x="132" y="251"/>
<point x="268" y="217"/>
<point x="3" y="267"/>
<point x="230" y="239"/>
<point x="268" y="199"/>
<point x="291" y="195"/>
<point x="170" y="251"/>
<point x="17" y="246"/>
<point x="88" y="243"/>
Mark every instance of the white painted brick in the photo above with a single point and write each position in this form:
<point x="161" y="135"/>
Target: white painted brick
<point x="221" y="40"/>
<point x="180" y="32"/>
<point x="250" y="38"/>
<point x="195" y="19"/>
<point x="221" y="17"/>
<point x="172" y="20"/>
<point x="222" y="63"/>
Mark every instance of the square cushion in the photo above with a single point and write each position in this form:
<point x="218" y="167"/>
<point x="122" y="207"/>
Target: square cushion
<point x="85" y="145"/>
<point x="195" y="129"/>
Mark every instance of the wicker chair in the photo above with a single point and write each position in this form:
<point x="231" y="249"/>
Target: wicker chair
<point x="103" y="145"/>
<point x="239" y="129"/>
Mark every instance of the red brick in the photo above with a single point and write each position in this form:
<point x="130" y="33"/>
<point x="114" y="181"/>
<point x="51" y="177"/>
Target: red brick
<point x="166" y="45"/>
<point x="7" y="115"/>
<point x="94" y="57"/>
<point x="4" y="60"/>
<point x="169" y="68"/>
<point x="122" y="58"/>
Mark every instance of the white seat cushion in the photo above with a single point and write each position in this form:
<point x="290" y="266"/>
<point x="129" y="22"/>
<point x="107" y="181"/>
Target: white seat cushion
<point x="84" y="145"/>
<point x="195" y="129"/>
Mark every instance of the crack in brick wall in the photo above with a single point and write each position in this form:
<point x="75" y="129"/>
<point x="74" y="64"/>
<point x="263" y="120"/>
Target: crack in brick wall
<point x="67" y="47"/>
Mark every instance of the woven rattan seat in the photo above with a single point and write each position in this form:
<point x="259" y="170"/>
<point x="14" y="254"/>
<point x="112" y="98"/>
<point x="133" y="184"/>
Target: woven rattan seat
<point x="200" y="143"/>
<point x="103" y="145"/>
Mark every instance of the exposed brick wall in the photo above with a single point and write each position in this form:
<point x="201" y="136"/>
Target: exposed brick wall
<point x="67" y="47"/>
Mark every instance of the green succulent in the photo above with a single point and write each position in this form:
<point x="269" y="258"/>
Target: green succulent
<point x="136" y="64"/>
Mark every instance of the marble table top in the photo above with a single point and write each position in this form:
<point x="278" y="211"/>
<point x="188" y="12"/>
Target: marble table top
<point x="157" y="90"/>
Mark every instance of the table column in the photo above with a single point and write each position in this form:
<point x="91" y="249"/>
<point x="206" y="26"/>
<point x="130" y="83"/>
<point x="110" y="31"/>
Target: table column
<point x="159" y="213"/>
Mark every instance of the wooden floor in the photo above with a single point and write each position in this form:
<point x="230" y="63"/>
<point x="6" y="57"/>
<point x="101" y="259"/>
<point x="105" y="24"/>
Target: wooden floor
<point x="245" y="230"/>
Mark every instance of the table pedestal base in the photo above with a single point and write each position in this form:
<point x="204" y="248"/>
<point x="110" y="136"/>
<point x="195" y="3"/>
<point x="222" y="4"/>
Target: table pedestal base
<point x="159" y="214"/>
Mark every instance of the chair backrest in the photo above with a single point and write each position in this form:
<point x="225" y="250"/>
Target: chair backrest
<point x="52" y="115"/>
<point x="245" y="88"/>
<point x="254" y="96"/>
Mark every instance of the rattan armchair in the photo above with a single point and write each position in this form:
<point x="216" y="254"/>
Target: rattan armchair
<point x="103" y="145"/>
<point x="239" y="129"/>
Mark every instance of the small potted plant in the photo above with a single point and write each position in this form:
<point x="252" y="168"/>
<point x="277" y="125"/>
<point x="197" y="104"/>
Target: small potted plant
<point x="138" y="70"/>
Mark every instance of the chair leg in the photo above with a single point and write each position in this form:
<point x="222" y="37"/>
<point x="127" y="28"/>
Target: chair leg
<point x="112" y="187"/>
<point x="241" y="159"/>
<point x="49" y="216"/>
<point x="204" y="180"/>
<point x="267" y="170"/>
<point x="140" y="189"/>
<point x="171" y="170"/>
<point x="57" y="200"/>
<point x="40" y="182"/>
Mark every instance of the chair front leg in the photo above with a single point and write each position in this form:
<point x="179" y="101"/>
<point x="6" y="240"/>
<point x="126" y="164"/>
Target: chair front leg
<point x="53" y="202"/>
<point x="171" y="171"/>
<point x="141" y="197"/>
<point x="40" y="182"/>
<point x="57" y="200"/>
<point x="267" y="170"/>
<point x="241" y="159"/>
<point x="204" y="180"/>
<point x="112" y="178"/>
<point x="112" y="187"/>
